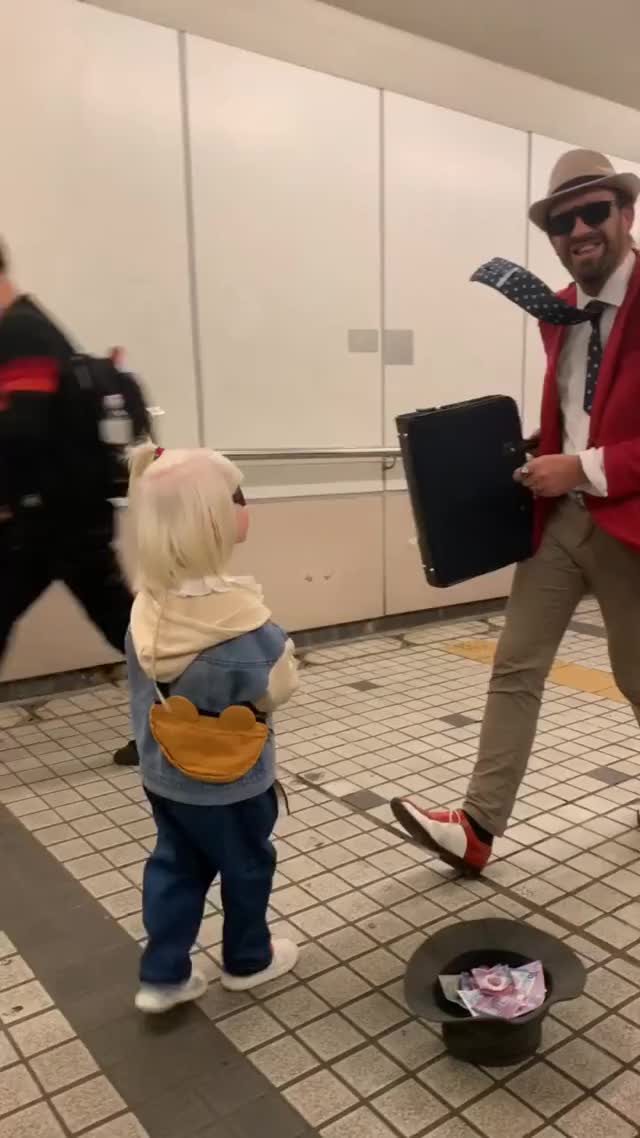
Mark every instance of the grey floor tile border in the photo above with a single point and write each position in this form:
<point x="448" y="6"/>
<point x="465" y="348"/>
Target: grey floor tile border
<point x="179" y="1075"/>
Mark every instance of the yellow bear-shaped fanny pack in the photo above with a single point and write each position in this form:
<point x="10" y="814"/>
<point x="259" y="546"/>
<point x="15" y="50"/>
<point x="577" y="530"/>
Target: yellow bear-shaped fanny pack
<point x="220" y="749"/>
<point x="208" y="748"/>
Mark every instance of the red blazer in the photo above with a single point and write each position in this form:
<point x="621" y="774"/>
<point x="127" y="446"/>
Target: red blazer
<point x="615" y="418"/>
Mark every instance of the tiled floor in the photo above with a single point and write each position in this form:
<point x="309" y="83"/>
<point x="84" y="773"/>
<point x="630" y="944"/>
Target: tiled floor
<point x="331" y="1050"/>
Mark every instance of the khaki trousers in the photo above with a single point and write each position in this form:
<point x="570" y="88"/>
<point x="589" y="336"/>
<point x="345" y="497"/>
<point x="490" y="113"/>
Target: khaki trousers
<point x="575" y="557"/>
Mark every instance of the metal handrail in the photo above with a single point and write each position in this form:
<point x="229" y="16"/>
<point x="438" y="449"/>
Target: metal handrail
<point x="388" y="456"/>
<point x="304" y="454"/>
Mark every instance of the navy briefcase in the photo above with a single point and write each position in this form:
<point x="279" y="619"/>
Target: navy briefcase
<point x="470" y="515"/>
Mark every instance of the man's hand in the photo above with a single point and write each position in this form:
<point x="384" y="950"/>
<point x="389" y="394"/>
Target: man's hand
<point x="551" y="475"/>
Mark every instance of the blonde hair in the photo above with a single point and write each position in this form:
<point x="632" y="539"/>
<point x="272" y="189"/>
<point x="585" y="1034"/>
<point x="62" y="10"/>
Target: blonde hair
<point x="185" y="521"/>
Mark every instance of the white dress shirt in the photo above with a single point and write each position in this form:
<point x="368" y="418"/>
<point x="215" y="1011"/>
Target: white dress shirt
<point x="572" y="374"/>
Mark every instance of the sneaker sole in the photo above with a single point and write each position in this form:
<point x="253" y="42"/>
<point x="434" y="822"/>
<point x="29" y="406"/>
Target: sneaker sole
<point x="249" y="983"/>
<point x="415" y="830"/>
<point x="177" y="1003"/>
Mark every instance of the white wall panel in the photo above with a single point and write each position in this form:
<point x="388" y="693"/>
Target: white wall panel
<point x="406" y="588"/>
<point x="41" y="160"/>
<point x="319" y="560"/>
<point x="455" y="195"/>
<point x="93" y="198"/>
<point x="93" y="210"/>
<point x="286" y="202"/>
<point x="544" y="263"/>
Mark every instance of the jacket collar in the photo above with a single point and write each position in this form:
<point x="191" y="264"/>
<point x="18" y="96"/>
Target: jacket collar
<point x="610" y="358"/>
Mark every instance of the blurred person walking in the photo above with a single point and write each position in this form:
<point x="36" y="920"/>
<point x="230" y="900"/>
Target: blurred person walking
<point x="56" y="517"/>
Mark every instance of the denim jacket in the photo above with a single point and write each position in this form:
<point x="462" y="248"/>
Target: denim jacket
<point x="237" y="671"/>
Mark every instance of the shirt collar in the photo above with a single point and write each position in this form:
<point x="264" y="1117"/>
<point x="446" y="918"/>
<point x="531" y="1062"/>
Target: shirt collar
<point x="616" y="287"/>
<point x="204" y="586"/>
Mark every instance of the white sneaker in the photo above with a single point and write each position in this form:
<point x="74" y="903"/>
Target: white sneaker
<point x="283" y="960"/>
<point x="153" y="999"/>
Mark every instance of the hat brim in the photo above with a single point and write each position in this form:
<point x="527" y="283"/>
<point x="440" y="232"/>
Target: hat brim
<point x="630" y="183"/>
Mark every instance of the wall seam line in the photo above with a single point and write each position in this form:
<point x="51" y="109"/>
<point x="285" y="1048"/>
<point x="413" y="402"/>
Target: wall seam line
<point x="194" y="307"/>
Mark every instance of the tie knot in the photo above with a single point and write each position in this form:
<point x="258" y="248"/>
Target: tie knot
<point x="594" y="309"/>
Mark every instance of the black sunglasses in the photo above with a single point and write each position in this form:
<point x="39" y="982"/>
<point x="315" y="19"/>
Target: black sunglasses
<point x="239" y="498"/>
<point x="592" y="214"/>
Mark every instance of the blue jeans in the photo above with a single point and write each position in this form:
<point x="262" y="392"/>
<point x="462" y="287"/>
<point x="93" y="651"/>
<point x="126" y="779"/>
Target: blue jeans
<point x="194" y="845"/>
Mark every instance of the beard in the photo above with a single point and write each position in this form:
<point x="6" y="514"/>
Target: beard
<point x="592" y="260"/>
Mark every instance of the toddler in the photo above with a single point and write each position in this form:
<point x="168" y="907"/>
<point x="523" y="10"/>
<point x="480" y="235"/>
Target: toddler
<point x="207" y="666"/>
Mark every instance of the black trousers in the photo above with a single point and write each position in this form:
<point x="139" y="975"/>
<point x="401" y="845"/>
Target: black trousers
<point x="37" y="548"/>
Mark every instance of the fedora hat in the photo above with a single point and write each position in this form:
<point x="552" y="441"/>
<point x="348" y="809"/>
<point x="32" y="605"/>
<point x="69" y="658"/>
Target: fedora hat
<point x="581" y="170"/>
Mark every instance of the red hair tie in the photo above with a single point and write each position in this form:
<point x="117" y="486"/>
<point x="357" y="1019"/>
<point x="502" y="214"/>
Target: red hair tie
<point x="157" y="453"/>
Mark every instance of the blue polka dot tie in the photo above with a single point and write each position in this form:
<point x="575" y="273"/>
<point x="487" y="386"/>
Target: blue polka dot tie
<point x="594" y="308"/>
<point x="526" y="290"/>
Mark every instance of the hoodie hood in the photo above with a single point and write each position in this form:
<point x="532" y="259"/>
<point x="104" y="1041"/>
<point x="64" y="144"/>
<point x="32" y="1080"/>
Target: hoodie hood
<point x="169" y="632"/>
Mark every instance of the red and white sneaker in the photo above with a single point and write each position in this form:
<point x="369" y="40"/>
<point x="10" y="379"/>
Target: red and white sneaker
<point x="448" y="833"/>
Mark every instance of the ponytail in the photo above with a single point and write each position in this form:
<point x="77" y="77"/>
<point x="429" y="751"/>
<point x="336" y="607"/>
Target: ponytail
<point x="140" y="459"/>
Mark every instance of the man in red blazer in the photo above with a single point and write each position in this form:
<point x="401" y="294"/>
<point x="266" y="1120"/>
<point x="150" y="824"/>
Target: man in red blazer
<point x="586" y="480"/>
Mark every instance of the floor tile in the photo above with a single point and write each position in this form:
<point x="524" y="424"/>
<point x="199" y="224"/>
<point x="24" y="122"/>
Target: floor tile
<point x="409" y="1107"/>
<point x="8" y="1053"/>
<point x="360" y="1123"/>
<point x="17" y="1088"/>
<point x="6" y="947"/>
<point x="320" y="1097"/>
<point x="378" y="967"/>
<point x="619" y="1037"/>
<point x="63" y="1065"/>
<point x="458" y="1128"/>
<point x="13" y="971"/>
<point x="283" y="1060"/>
<point x="250" y="1028"/>
<point x="374" y="1014"/>
<point x="103" y="884"/>
<point x="124" y="1127"/>
<point x="317" y="921"/>
<point x="623" y="1094"/>
<point x="412" y="1045"/>
<point x="330" y="1037"/>
<point x="592" y="1119"/>
<point x="584" y="1062"/>
<point x="23" y="1001"/>
<point x="88" y="1104"/>
<point x="544" y="1089"/>
<point x="296" y="1006"/>
<point x="339" y="986"/>
<point x="501" y="1115"/>
<point x="41" y="1032"/>
<point x="35" y="1122"/>
<point x="455" y="1082"/>
<point x="368" y="1071"/>
<point x="614" y="932"/>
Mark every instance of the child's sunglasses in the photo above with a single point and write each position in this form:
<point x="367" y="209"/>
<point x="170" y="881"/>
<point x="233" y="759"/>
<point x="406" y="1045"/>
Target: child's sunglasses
<point x="592" y="214"/>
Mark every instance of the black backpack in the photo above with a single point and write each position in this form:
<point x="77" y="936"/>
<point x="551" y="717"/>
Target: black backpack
<point x="101" y="413"/>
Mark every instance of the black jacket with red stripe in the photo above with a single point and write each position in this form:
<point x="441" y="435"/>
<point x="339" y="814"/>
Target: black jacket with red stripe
<point x="33" y="352"/>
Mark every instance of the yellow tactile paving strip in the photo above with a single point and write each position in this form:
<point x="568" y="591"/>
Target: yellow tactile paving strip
<point x="568" y="675"/>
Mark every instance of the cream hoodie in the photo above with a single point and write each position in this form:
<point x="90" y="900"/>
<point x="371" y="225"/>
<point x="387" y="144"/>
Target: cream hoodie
<point x="168" y="633"/>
